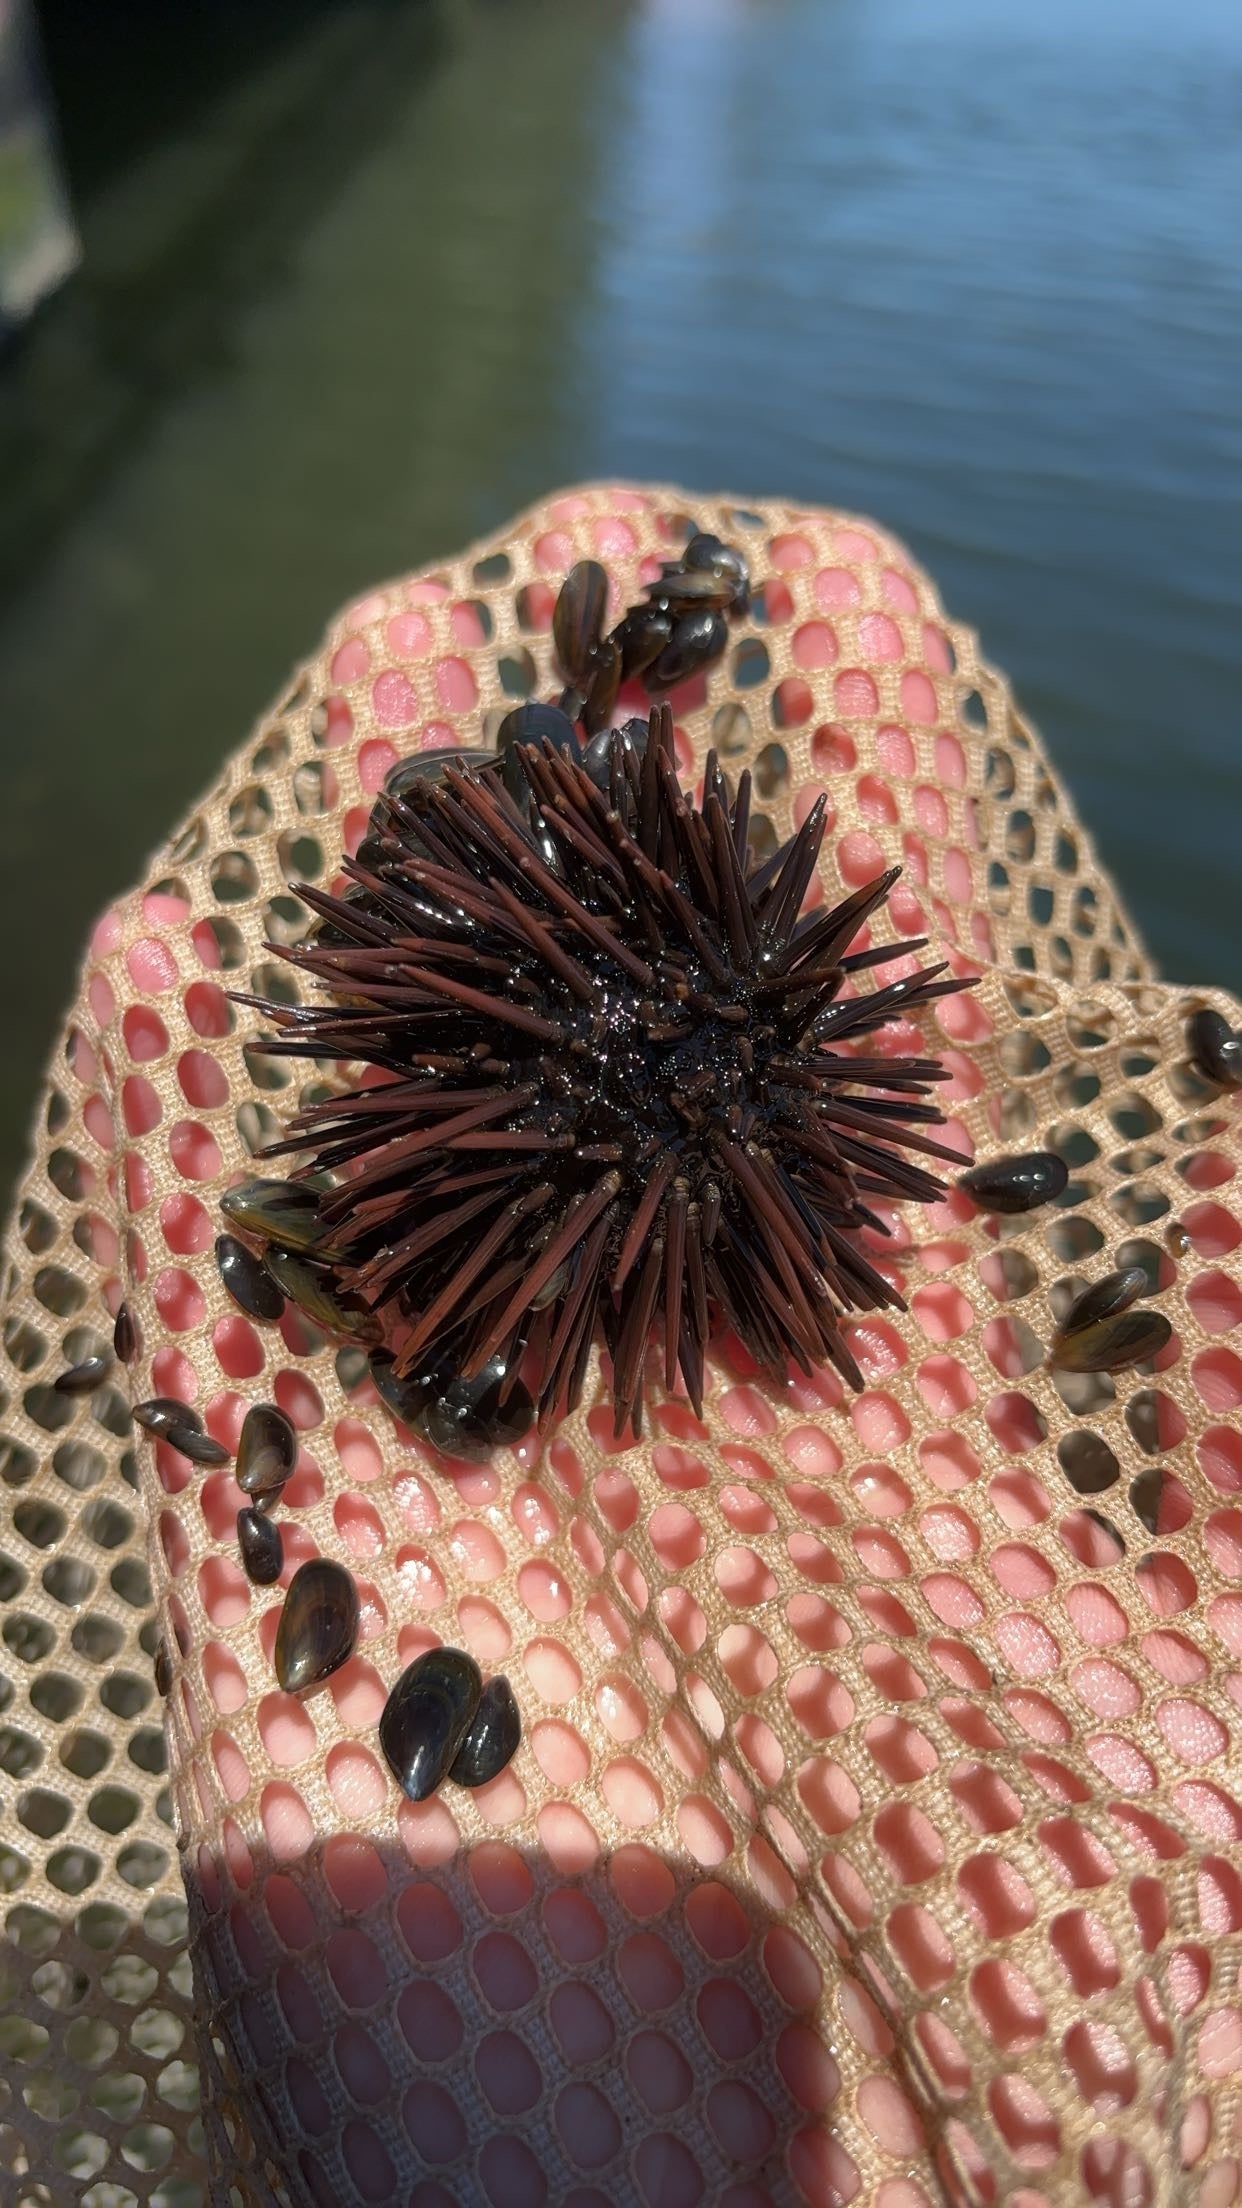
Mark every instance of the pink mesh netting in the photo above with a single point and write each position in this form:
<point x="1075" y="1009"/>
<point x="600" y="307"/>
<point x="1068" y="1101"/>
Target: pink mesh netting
<point x="874" y="1834"/>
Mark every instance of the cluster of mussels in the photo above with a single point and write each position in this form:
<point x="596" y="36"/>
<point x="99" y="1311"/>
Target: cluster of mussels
<point x="1100" y="1332"/>
<point x="613" y="1098"/>
<point x="440" y="1720"/>
<point x="680" y="628"/>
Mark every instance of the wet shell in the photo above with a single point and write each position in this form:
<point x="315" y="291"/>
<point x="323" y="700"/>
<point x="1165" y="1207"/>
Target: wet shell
<point x="83" y="1379"/>
<point x="428" y="766"/>
<point x="1116" y="1292"/>
<point x="536" y="723"/>
<point x="1112" y="1344"/>
<point x="408" y="1395"/>
<point x="718" y="558"/>
<point x="267" y="1450"/>
<point x="319" y="1623"/>
<point x="193" y="1443"/>
<point x="578" y="617"/>
<point x="642" y="636"/>
<point x="261" y="1546"/>
<point x="697" y="639"/>
<point x="466" y="1418"/>
<point x="159" y="1412"/>
<point x="125" y="1335"/>
<point x="426" y="1718"/>
<point x="252" y="1288"/>
<point x="1019" y="1183"/>
<point x="492" y="1736"/>
<point x="285" y="1212"/>
<point x="682" y="588"/>
<point x="603" y="682"/>
<point x="313" y="1290"/>
<point x="163" y="1668"/>
<point x="1214" y="1047"/>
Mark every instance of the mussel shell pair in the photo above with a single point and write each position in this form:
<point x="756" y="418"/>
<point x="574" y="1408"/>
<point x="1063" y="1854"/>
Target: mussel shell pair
<point x="440" y="1721"/>
<point x="458" y="1417"/>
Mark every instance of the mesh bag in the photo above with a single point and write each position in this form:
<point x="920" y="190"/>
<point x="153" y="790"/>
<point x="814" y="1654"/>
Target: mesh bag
<point x="874" y="1831"/>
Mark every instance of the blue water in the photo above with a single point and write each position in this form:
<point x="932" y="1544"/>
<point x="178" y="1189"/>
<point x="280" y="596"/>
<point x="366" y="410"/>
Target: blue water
<point x="976" y="268"/>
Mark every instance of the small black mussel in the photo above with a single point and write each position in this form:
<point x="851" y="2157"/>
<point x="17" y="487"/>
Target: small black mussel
<point x="159" y="1412"/>
<point x="174" y="1422"/>
<point x="642" y="636"/>
<point x="533" y="723"/>
<point x="491" y="1737"/>
<point x="285" y="1212"/>
<point x="426" y="1718"/>
<point x="261" y="1546"/>
<point x="1214" y="1048"/>
<point x="1112" y="1344"/>
<point x="266" y="1452"/>
<point x="428" y="766"/>
<point x="603" y="682"/>
<point x="319" y="1623"/>
<point x="163" y="1668"/>
<point x="1116" y="1292"/>
<point x="697" y="639"/>
<point x="709" y="553"/>
<point x="83" y="1379"/>
<point x="407" y="1395"/>
<point x="683" y="589"/>
<point x="470" y="1418"/>
<point x="125" y="1335"/>
<point x="1016" y="1183"/>
<point x="314" y="1291"/>
<point x="597" y="758"/>
<point x="193" y="1443"/>
<point x="248" y="1282"/>
<point x="578" y="617"/>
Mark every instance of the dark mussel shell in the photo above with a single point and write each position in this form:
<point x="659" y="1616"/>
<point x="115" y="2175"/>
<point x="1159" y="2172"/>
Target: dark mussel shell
<point x="578" y="617"/>
<point x="426" y="1718"/>
<point x="248" y="1282"/>
<point x="641" y="637"/>
<point x="261" y="1546"/>
<point x="697" y="639"/>
<point x="597" y="758"/>
<point x="314" y="1291"/>
<point x="467" y="1418"/>
<point x="1018" y="1183"/>
<point x="1116" y="1292"/>
<point x="191" y="1442"/>
<point x="319" y="1623"/>
<point x="83" y="1379"/>
<point x="267" y="1450"/>
<point x="428" y="766"/>
<point x="603" y="682"/>
<point x="159" y="1412"/>
<point x="163" y="1668"/>
<point x="125" y="1335"/>
<point x="173" y="1423"/>
<point x="533" y="723"/>
<point x="717" y="558"/>
<point x="1112" y="1344"/>
<point x="1214" y="1048"/>
<point x="683" y="588"/>
<point x="407" y="1395"/>
<point x="286" y="1212"/>
<point x="491" y="1737"/>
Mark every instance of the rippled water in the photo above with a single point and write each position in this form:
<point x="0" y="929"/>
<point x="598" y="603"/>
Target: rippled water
<point x="977" y="269"/>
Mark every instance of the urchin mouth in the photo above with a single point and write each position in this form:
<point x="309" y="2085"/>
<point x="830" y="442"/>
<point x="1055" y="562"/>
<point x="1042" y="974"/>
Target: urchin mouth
<point x="614" y="1097"/>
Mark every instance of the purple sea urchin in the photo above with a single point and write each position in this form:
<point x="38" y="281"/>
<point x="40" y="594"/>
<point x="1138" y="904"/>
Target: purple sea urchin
<point x="616" y="1093"/>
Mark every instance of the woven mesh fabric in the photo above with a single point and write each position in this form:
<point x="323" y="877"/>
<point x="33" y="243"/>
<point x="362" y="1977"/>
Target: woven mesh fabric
<point x="874" y="1834"/>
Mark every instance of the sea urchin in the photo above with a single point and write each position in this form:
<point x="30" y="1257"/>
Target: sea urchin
<point x="613" y="1089"/>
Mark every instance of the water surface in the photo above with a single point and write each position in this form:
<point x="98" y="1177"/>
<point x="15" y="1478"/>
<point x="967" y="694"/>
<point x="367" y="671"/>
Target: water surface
<point x="976" y="270"/>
